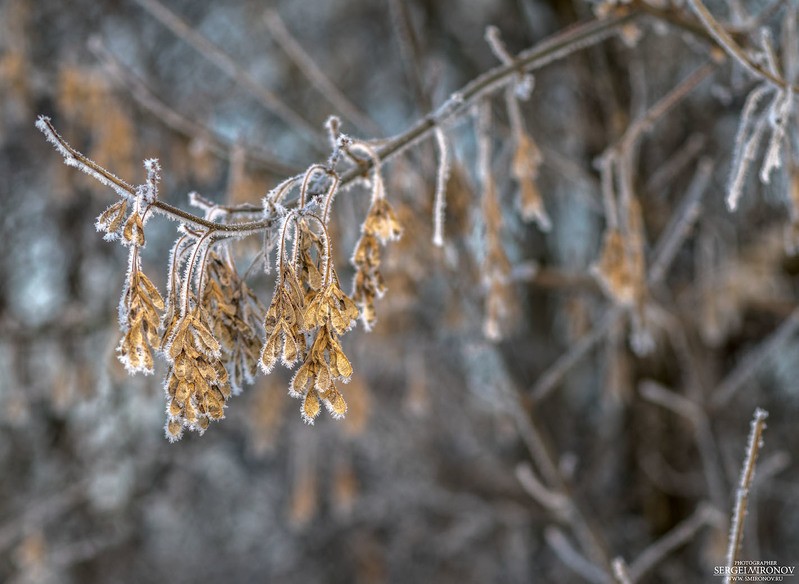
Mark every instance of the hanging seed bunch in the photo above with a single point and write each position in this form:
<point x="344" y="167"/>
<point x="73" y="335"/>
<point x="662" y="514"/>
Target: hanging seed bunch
<point x="380" y="227"/>
<point x="197" y="383"/>
<point x="309" y="311"/>
<point x="210" y="327"/>
<point x="238" y="323"/>
<point x="527" y="156"/>
<point x="500" y="300"/>
<point x="141" y="301"/>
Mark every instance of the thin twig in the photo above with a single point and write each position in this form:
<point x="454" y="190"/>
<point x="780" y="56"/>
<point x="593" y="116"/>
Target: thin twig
<point x="572" y="559"/>
<point x="624" y="151"/>
<point x="675" y="234"/>
<point x="683" y="156"/>
<point x="703" y="434"/>
<point x="549" y="380"/>
<point x="679" y="535"/>
<point x="74" y="158"/>
<point x="551" y="500"/>
<point x="750" y="364"/>
<point x="681" y="223"/>
<point x="742" y="497"/>
<point x="644" y="124"/>
<point x="409" y="51"/>
<point x="314" y="74"/>
<point x="621" y="571"/>
<point x="726" y="42"/>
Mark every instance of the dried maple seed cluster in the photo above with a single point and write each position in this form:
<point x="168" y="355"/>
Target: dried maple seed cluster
<point x="332" y="313"/>
<point x="308" y="313"/>
<point x="208" y="327"/>
<point x="111" y="220"/>
<point x="237" y="323"/>
<point x="381" y="225"/>
<point x="284" y="322"/>
<point x="524" y="169"/>
<point x="197" y="383"/>
<point x="141" y="302"/>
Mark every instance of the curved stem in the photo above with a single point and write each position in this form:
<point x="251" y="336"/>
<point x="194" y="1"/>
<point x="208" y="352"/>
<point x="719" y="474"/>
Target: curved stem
<point x="175" y="263"/>
<point x="202" y="264"/>
<point x="282" y="246"/>
<point x="331" y="192"/>
<point x="277" y="193"/>
<point x="328" y="250"/>
<point x="190" y="271"/>
<point x="307" y="179"/>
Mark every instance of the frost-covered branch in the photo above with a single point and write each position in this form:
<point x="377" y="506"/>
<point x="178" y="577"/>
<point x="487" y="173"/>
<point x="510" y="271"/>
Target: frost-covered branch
<point x="753" y="446"/>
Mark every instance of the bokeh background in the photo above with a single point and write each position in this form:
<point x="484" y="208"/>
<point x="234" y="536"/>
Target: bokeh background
<point x="428" y="478"/>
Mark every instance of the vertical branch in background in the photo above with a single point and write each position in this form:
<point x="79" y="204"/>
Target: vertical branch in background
<point x="742" y="497"/>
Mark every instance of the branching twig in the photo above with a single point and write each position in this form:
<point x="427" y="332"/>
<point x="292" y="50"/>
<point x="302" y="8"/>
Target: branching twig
<point x="705" y="442"/>
<point x="675" y="234"/>
<point x="726" y="42"/>
<point x="679" y="535"/>
<point x="314" y="74"/>
<point x="621" y="571"/>
<point x="749" y="365"/>
<point x="227" y="65"/>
